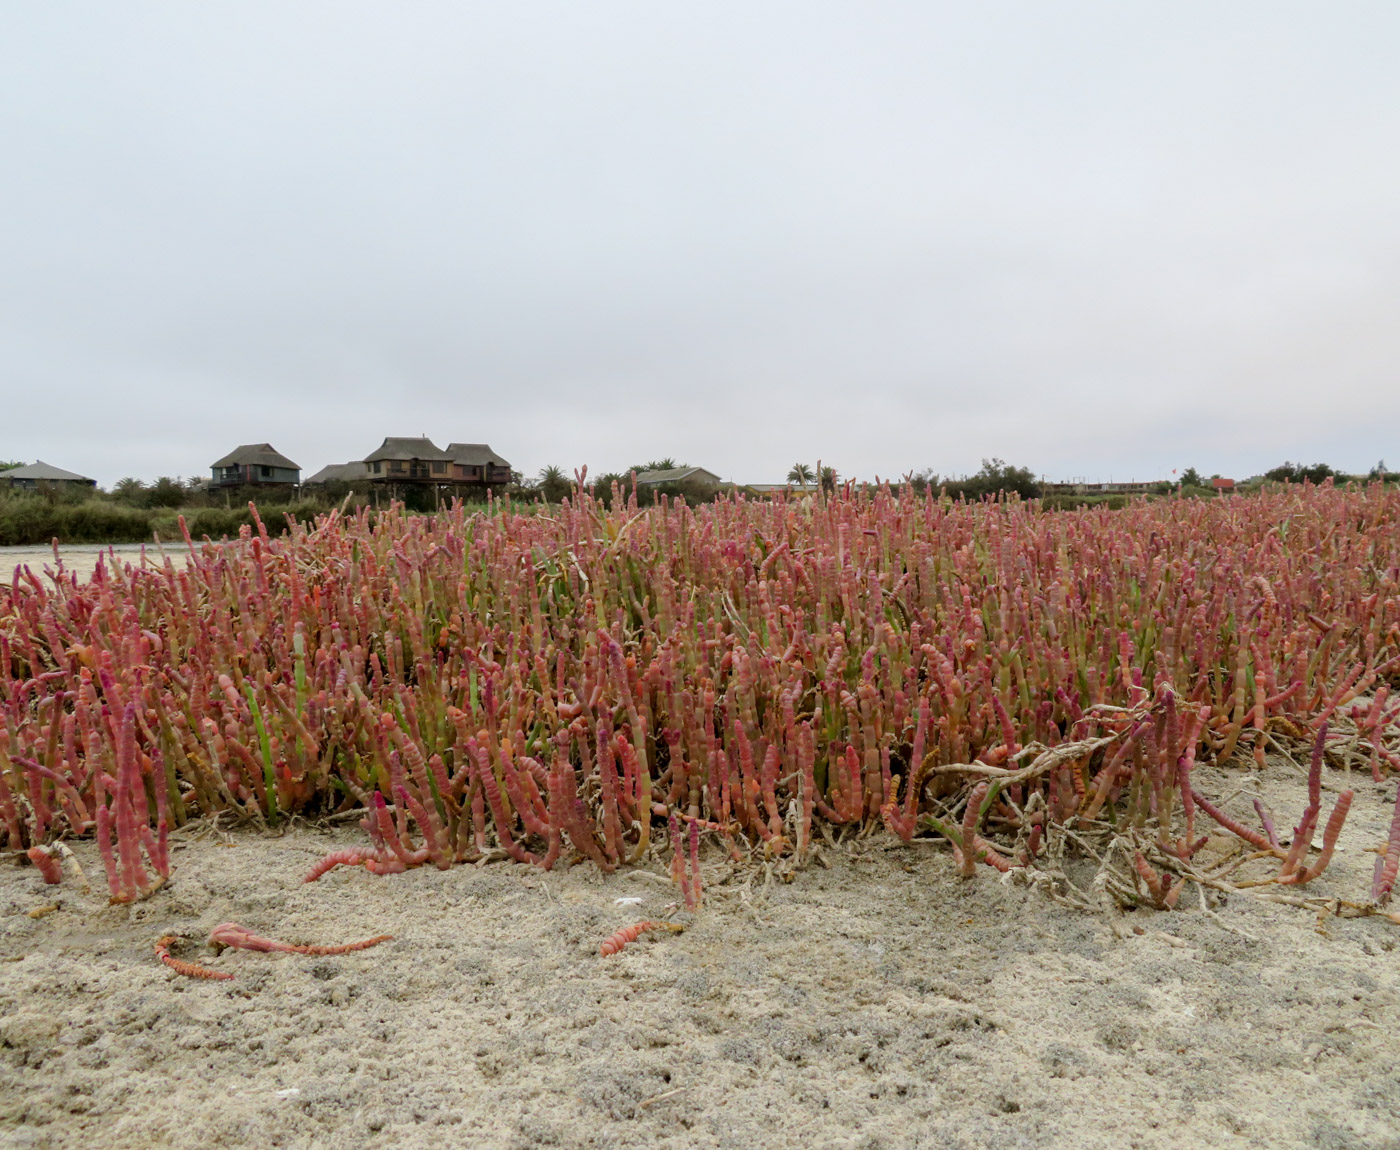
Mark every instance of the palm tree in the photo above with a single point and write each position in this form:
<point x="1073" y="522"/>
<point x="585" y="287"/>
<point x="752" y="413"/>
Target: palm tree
<point x="829" y="479"/>
<point x="128" y="489"/>
<point x="165" y="492"/>
<point x="553" y="484"/>
<point x="800" y="474"/>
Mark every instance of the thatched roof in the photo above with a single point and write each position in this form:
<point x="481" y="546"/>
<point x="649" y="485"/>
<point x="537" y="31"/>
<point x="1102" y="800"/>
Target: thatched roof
<point x="256" y="455"/>
<point x="45" y="472"/>
<point x="475" y="454"/>
<point x="395" y="447"/>
<point x="339" y="473"/>
<point x="677" y="475"/>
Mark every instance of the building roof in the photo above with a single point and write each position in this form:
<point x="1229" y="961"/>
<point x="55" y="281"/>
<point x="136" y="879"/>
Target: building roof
<point x="340" y="473"/>
<point x="256" y="455"/>
<point x="45" y="471"/>
<point x="677" y="475"/>
<point x="475" y="454"/>
<point x="395" y="447"/>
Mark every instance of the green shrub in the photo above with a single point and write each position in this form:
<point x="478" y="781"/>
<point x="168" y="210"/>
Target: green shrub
<point x="996" y="477"/>
<point x="1297" y="473"/>
<point x="1076" y="502"/>
<point x="30" y="520"/>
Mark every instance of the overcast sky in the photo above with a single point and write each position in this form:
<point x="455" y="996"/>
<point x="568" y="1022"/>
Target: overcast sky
<point x="1101" y="240"/>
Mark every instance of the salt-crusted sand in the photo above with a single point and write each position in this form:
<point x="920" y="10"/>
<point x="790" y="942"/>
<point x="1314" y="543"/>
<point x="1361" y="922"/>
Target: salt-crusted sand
<point x="881" y="1002"/>
<point x="82" y="558"/>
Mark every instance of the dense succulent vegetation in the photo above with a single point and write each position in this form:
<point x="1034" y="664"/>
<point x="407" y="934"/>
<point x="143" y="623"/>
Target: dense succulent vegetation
<point x="600" y="682"/>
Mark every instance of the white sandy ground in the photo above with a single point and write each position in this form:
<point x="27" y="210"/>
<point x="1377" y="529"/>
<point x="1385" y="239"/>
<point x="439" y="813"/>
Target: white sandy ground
<point x="80" y="557"/>
<point x="882" y="1002"/>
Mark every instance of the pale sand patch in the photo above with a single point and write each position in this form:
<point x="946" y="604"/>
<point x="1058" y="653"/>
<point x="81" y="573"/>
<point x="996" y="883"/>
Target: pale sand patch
<point x="81" y="558"/>
<point x="880" y="1003"/>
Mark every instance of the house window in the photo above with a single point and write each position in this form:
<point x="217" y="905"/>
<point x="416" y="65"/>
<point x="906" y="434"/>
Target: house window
<point x="265" y="472"/>
<point x="439" y="468"/>
<point x="374" y="467"/>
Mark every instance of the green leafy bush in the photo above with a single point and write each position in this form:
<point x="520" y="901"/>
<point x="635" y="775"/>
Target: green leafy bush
<point x="1297" y="473"/>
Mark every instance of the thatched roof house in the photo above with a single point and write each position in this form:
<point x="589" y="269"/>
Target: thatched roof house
<point x="678" y="475"/>
<point x="767" y="489"/>
<point x="420" y="460"/>
<point x="34" y="475"/>
<point x="254" y="463"/>
<point x="353" y="472"/>
<point x="401" y="459"/>
<point x="477" y="463"/>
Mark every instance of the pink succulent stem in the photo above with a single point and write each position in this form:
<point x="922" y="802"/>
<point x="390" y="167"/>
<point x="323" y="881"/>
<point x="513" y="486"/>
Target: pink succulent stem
<point x="48" y="866"/>
<point x="1388" y="865"/>
<point x="351" y="856"/>
<point x="230" y="934"/>
<point x="693" y="891"/>
<point x="1329" y="842"/>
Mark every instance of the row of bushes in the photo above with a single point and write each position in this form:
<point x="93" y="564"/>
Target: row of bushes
<point x="29" y="520"/>
<point x="35" y="522"/>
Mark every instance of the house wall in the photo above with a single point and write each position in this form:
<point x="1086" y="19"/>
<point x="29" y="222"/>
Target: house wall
<point x="37" y="484"/>
<point x="253" y="474"/>
<point x="1134" y="488"/>
<point x="435" y="471"/>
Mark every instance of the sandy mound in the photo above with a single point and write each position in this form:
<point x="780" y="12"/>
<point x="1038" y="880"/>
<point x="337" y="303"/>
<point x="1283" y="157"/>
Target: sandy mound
<point x="877" y="1002"/>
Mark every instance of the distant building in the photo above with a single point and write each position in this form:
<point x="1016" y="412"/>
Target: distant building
<point x="357" y="472"/>
<point x="477" y="463"/>
<point x="40" y="474"/>
<point x="780" y="488"/>
<point x="253" y="464"/>
<point x="678" y="475"/>
<point x="1130" y="488"/>
<point x="403" y="460"/>
<point x="1222" y="486"/>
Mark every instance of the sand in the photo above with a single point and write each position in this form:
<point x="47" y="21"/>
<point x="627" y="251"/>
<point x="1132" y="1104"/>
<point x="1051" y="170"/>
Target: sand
<point x="79" y="557"/>
<point x="879" y="1001"/>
